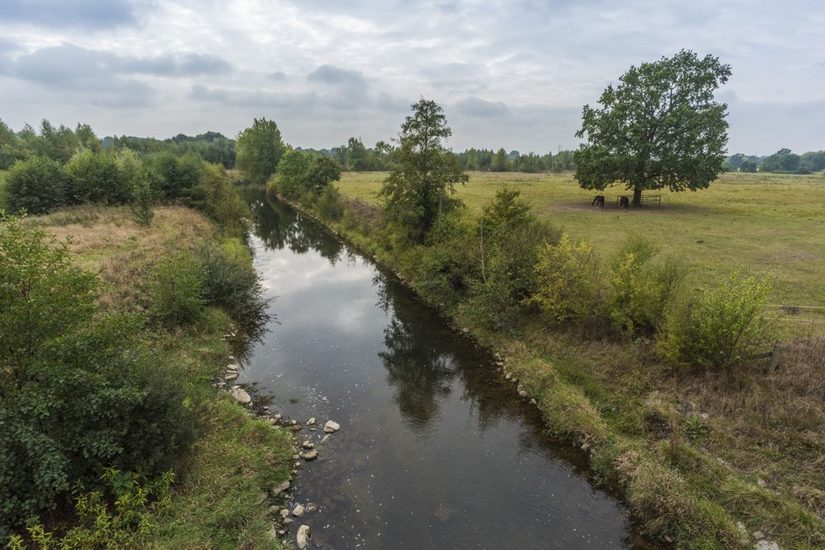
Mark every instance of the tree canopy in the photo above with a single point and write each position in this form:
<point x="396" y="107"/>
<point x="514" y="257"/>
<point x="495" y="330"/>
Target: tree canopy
<point x="424" y="171"/>
<point x="259" y="149"/>
<point x="659" y="127"/>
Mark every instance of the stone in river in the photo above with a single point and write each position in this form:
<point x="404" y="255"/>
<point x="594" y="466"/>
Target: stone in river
<point x="241" y="396"/>
<point x="298" y="511"/>
<point x="302" y="538"/>
<point x="310" y="455"/>
<point x="331" y="427"/>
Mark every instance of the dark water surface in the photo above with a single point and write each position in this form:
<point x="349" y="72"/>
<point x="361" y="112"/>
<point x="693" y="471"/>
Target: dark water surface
<point x="434" y="451"/>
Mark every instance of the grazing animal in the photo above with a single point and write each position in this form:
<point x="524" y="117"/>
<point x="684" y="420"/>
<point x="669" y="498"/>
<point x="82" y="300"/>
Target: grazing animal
<point x="598" y="201"/>
<point x="624" y="202"/>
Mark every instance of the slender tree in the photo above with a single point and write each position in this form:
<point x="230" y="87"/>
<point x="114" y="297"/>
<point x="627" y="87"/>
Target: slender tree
<point x="259" y="149"/>
<point x="658" y="128"/>
<point x="424" y="174"/>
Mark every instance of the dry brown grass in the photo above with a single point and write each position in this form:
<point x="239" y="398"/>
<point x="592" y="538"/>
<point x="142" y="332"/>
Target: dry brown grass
<point x="108" y="241"/>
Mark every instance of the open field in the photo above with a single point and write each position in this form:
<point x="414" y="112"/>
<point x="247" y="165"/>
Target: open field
<point x="763" y="223"/>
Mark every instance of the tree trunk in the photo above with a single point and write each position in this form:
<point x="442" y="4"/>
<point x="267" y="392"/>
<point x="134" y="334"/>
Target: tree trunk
<point x="637" y="195"/>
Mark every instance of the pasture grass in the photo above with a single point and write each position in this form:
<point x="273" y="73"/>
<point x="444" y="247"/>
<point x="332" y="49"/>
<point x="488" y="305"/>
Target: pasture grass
<point x="770" y="224"/>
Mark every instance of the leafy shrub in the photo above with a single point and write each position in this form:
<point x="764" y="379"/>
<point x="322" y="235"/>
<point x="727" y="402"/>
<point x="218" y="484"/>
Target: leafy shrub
<point x="178" y="290"/>
<point x="509" y="240"/>
<point x="215" y="195"/>
<point x="640" y="290"/>
<point x="100" y="525"/>
<point x="719" y="327"/>
<point x="569" y="283"/>
<point x="95" y="177"/>
<point x="230" y="282"/>
<point x="329" y="205"/>
<point x="175" y="176"/>
<point x="79" y="393"/>
<point x="35" y="185"/>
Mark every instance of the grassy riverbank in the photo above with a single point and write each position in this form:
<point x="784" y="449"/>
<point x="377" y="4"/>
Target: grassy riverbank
<point x="703" y="459"/>
<point x="217" y="500"/>
<point x="765" y="223"/>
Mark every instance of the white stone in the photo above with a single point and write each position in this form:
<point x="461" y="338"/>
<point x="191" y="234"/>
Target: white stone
<point x="308" y="445"/>
<point x="231" y="376"/>
<point x="284" y="513"/>
<point x="331" y="427"/>
<point x="311" y="421"/>
<point x="310" y="455"/>
<point x="302" y="538"/>
<point x="280" y="488"/>
<point x="298" y="511"/>
<point x="241" y="396"/>
<point x="767" y="545"/>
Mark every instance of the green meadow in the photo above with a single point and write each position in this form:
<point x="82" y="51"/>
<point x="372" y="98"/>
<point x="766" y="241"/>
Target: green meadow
<point x="770" y="224"/>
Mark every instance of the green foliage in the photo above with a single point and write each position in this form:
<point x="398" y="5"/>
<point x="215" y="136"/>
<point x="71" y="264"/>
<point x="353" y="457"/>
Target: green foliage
<point x="305" y="177"/>
<point x="569" y="284"/>
<point x="291" y="179"/>
<point x="178" y="290"/>
<point x="101" y="525"/>
<point x="640" y="290"/>
<point x="329" y="205"/>
<point x="215" y="195"/>
<point x="658" y="128"/>
<point x="720" y="327"/>
<point x="79" y="393"/>
<point x="95" y="177"/>
<point x="229" y="280"/>
<point x="259" y="150"/>
<point x="424" y="172"/>
<point x="174" y="177"/>
<point x="35" y="185"/>
<point x="781" y="161"/>
<point x="136" y="177"/>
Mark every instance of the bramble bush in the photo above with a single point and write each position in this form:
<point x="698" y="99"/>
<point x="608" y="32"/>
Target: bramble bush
<point x="35" y="185"/>
<point x="719" y="327"/>
<point x="178" y="290"/>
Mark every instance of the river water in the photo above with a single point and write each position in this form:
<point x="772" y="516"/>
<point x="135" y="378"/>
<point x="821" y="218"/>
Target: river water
<point x="435" y="450"/>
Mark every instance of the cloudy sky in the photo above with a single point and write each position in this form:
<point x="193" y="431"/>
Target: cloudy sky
<point x="508" y="73"/>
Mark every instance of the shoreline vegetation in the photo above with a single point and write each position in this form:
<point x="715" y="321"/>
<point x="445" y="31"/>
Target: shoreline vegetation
<point x="703" y="459"/>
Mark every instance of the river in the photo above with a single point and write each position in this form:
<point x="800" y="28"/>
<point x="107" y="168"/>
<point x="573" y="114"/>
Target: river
<point x="435" y="450"/>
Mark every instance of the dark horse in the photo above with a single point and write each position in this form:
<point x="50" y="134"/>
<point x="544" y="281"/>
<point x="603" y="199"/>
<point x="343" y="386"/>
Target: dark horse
<point x="598" y="201"/>
<point x="624" y="202"/>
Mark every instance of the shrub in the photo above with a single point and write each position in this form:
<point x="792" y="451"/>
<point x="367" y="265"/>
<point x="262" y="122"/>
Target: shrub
<point x="35" y="185"/>
<point x="640" y="290"/>
<point x="720" y="326"/>
<point x="178" y="290"/>
<point x="569" y="283"/>
<point x="79" y="393"/>
<point x="329" y="205"/>
<point x="175" y="176"/>
<point x="230" y="282"/>
<point x="95" y="177"/>
<point x="215" y="195"/>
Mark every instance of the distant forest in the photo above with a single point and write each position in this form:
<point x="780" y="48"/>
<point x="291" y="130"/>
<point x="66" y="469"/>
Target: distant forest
<point x="59" y="142"/>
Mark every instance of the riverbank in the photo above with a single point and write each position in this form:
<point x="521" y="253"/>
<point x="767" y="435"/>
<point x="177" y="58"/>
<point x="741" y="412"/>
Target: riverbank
<point x="699" y="461"/>
<point x="228" y="483"/>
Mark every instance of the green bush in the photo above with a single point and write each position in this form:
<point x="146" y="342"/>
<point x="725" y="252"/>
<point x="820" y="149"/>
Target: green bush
<point x="215" y="195"/>
<point x="231" y="283"/>
<point x="719" y="327"/>
<point x="79" y="392"/>
<point x="174" y="176"/>
<point x="641" y="289"/>
<point x="95" y="177"/>
<point x="569" y="284"/>
<point x="329" y="205"/>
<point x="35" y="185"/>
<point x="178" y="290"/>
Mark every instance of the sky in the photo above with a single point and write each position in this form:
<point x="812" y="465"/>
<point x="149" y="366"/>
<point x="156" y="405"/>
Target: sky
<point x="512" y="74"/>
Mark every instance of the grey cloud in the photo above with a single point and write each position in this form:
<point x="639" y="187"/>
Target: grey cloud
<point x="68" y="65"/>
<point x="278" y="76"/>
<point x="257" y="99"/>
<point x="86" y="14"/>
<point x="474" y="106"/>
<point x="330" y="74"/>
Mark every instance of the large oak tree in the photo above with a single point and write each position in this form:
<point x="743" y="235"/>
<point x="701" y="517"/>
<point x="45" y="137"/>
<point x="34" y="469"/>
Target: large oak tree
<point x="659" y="127"/>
